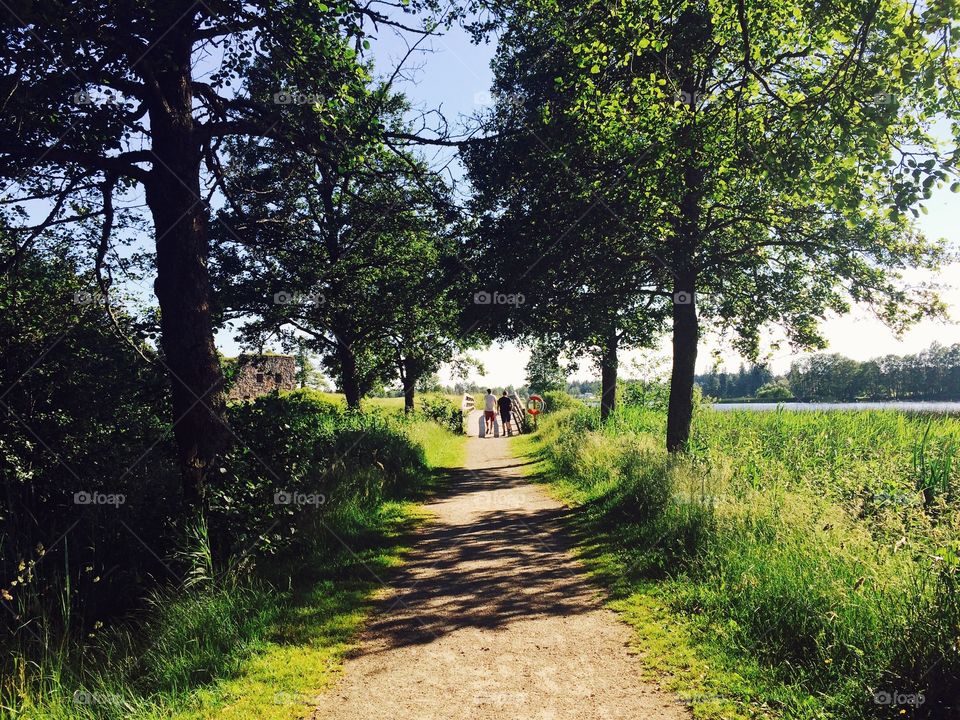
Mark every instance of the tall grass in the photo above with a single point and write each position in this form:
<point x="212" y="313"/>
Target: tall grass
<point x="293" y="576"/>
<point x="823" y="545"/>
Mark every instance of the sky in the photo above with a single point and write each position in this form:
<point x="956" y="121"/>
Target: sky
<point x="453" y="74"/>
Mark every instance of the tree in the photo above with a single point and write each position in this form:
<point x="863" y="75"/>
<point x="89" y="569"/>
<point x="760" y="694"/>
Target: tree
<point x="461" y="365"/>
<point x="142" y="96"/>
<point x="776" y="390"/>
<point x="544" y="228"/>
<point x="308" y="375"/>
<point x="544" y="371"/>
<point x="769" y="152"/>
<point x="346" y="249"/>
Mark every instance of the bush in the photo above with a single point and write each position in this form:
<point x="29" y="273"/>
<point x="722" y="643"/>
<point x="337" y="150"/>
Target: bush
<point x="779" y="390"/>
<point x="558" y="400"/>
<point x="86" y="420"/>
<point x="643" y="393"/>
<point x="299" y="458"/>
<point x="443" y="412"/>
<point x="235" y="582"/>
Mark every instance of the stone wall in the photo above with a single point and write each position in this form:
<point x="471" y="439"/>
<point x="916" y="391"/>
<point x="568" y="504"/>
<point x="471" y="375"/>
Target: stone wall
<point x="261" y="374"/>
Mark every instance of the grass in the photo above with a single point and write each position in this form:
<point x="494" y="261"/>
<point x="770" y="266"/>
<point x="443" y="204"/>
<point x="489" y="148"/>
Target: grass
<point x="799" y="564"/>
<point x="240" y="645"/>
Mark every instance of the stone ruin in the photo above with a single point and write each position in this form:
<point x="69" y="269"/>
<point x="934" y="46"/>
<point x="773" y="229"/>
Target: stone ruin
<point x="261" y="374"/>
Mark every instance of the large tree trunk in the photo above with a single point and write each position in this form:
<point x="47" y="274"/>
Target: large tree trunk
<point x="608" y="378"/>
<point x="409" y="379"/>
<point x="183" y="284"/>
<point x="348" y="373"/>
<point x="695" y="32"/>
<point x="686" y="330"/>
<point x="686" y="335"/>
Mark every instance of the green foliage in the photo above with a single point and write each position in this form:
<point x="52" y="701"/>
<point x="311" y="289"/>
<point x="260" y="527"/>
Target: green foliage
<point x="544" y="372"/>
<point x="558" y="400"/>
<point x="644" y="393"/>
<point x="760" y="161"/>
<point x="779" y="390"/>
<point x="443" y="412"/>
<point x="299" y="457"/>
<point x="802" y="540"/>
<point x="932" y="374"/>
<point x="282" y="599"/>
<point x="81" y="411"/>
<point x="743" y="383"/>
<point x="360" y="269"/>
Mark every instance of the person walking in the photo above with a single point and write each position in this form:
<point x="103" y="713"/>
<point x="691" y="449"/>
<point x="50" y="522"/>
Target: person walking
<point x="489" y="410"/>
<point x="504" y="406"/>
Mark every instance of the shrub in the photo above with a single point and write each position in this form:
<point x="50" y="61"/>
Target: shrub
<point x="558" y="400"/>
<point x="443" y="412"/>
<point x="85" y="420"/>
<point x="778" y="390"/>
<point x="644" y="393"/>
<point x="298" y="459"/>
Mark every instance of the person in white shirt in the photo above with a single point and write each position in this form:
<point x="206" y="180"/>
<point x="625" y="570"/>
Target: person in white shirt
<point x="489" y="410"/>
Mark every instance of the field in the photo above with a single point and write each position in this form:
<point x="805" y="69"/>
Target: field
<point x="812" y="557"/>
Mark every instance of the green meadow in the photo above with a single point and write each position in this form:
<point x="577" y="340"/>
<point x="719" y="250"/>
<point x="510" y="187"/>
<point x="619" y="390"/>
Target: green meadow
<point x="808" y="560"/>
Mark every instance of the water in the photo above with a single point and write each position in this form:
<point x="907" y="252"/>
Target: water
<point x="906" y="406"/>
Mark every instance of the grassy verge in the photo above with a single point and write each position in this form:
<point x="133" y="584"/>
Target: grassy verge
<point x="795" y="565"/>
<point x="242" y="643"/>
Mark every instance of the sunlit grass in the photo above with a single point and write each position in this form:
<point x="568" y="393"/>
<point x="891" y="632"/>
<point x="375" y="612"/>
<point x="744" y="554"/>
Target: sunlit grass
<point x="808" y="559"/>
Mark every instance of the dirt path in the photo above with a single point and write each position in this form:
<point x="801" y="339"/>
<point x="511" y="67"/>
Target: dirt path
<point x="491" y="617"/>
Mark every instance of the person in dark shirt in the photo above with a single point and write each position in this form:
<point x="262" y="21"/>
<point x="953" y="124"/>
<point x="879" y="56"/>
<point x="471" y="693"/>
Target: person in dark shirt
<point x="504" y="405"/>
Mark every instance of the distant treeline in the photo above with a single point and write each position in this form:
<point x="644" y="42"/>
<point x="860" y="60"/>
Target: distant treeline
<point x="933" y="374"/>
<point x="741" y="384"/>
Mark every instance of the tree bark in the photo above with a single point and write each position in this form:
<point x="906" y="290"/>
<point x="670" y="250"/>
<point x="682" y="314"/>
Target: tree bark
<point x="686" y="336"/>
<point x="409" y="380"/>
<point x="608" y="378"/>
<point x="183" y="284"/>
<point x="686" y="329"/>
<point x="348" y="373"/>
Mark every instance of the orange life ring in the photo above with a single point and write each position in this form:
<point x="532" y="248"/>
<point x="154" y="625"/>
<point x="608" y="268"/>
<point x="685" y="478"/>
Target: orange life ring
<point x="539" y="404"/>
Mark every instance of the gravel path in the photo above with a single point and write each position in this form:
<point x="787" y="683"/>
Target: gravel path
<point x="492" y="617"/>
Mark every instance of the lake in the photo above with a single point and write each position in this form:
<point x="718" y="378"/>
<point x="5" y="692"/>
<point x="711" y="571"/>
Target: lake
<point x="906" y="406"/>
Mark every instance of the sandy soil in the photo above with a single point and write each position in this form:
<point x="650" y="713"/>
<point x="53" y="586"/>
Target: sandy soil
<point x="492" y="617"/>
